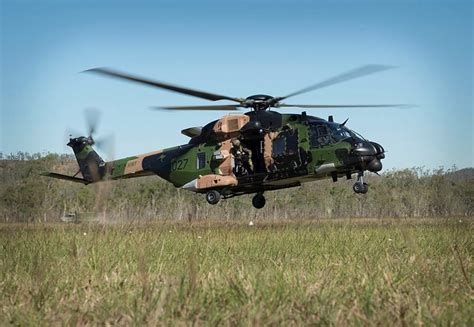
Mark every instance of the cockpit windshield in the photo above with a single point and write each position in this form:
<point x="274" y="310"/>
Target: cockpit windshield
<point x="340" y="133"/>
<point x="327" y="133"/>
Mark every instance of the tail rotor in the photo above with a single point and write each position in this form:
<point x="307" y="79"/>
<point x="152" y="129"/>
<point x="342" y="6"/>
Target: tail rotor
<point x="77" y="140"/>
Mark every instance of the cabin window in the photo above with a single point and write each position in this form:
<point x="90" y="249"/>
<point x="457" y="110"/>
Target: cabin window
<point x="201" y="160"/>
<point x="286" y="143"/>
<point x="291" y="141"/>
<point x="278" y="146"/>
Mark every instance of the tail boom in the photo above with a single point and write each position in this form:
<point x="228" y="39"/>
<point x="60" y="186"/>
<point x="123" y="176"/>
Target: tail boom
<point x="94" y="169"/>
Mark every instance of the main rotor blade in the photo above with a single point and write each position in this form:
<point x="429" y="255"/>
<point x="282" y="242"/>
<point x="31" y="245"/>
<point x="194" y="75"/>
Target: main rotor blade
<point x="342" y="106"/>
<point x="355" y="73"/>
<point x="170" y="87"/>
<point x="223" y="107"/>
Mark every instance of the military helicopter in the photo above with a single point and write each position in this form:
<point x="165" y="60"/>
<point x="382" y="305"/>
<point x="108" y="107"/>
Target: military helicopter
<point x="251" y="153"/>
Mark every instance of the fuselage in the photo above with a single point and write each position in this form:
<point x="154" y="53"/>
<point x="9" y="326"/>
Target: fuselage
<point x="286" y="150"/>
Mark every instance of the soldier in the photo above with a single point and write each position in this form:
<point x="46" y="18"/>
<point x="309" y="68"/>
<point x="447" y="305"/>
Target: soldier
<point x="242" y="157"/>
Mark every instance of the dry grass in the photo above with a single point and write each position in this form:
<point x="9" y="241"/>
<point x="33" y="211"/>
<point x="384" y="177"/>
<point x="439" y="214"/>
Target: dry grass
<point x="369" y="272"/>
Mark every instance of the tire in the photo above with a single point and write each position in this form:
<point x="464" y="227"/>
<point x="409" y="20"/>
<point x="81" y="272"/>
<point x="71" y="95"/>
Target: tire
<point x="365" y="188"/>
<point x="360" y="188"/>
<point x="258" y="201"/>
<point x="213" y="197"/>
<point x="357" y="187"/>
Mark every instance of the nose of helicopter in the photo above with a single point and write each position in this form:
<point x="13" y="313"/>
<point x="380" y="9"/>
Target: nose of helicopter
<point x="364" y="148"/>
<point x="370" y="155"/>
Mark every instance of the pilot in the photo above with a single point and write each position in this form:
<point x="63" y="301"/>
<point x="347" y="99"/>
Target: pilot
<point x="242" y="156"/>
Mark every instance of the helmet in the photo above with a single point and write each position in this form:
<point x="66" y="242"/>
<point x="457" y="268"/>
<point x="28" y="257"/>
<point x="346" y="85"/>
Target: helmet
<point x="235" y="142"/>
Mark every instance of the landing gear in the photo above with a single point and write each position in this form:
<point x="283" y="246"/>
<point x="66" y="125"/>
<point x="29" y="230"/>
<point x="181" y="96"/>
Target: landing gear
<point x="360" y="187"/>
<point x="258" y="201"/>
<point x="213" y="197"/>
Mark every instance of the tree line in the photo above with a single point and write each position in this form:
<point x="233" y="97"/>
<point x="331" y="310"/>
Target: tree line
<point x="25" y="196"/>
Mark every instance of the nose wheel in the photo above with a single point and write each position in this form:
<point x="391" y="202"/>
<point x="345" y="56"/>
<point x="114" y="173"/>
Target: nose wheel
<point x="360" y="187"/>
<point x="258" y="201"/>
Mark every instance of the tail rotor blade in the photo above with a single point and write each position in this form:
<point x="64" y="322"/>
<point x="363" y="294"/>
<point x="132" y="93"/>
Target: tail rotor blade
<point x="107" y="145"/>
<point x="92" y="116"/>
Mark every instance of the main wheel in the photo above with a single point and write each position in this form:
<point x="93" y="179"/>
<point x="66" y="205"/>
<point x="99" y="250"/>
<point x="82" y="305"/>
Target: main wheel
<point x="365" y="188"/>
<point x="258" y="201"/>
<point x="361" y="188"/>
<point x="213" y="197"/>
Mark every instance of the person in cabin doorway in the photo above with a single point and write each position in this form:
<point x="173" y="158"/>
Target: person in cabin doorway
<point x="242" y="157"/>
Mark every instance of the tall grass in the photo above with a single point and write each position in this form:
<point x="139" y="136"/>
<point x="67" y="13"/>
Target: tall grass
<point x="381" y="272"/>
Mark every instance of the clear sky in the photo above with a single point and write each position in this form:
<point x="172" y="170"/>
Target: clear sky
<point x="239" y="49"/>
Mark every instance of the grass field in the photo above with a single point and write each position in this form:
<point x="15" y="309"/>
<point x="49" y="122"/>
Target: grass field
<point x="362" y="272"/>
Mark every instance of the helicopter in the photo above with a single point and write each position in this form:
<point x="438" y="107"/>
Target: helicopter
<point x="244" y="153"/>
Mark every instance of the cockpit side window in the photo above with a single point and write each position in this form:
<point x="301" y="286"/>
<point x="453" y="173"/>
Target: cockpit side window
<point x="339" y="132"/>
<point x="322" y="130"/>
<point x="319" y="135"/>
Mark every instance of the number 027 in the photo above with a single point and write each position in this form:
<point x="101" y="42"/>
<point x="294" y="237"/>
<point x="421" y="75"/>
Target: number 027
<point x="179" y="164"/>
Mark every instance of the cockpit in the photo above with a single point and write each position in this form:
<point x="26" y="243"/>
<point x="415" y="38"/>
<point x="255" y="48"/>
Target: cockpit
<point x="325" y="133"/>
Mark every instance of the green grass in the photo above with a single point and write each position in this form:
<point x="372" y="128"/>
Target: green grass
<point x="363" y="272"/>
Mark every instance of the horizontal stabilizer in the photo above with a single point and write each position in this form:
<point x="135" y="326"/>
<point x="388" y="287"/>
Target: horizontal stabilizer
<point x="192" y="131"/>
<point x="66" y="178"/>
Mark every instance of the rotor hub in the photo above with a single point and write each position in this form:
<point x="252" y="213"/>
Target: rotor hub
<point x="258" y="102"/>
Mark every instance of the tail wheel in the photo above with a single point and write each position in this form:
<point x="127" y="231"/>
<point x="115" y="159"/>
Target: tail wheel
<point x="258" y="201"/>
<point x="213" y="197"/>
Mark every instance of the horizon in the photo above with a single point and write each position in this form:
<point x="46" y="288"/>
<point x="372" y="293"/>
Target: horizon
<point x="273" y="49"/>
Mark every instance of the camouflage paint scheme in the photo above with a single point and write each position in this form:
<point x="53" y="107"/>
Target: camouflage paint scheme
<point x="288" y="149"/>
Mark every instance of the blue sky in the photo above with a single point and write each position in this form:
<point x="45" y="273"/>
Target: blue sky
<point x="239" y="49"/>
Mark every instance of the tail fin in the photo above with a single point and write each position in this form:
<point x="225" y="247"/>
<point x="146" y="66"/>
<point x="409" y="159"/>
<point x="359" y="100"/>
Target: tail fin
<point x="90" y="163"/>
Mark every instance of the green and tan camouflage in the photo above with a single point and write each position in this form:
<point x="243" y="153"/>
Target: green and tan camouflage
<point x="287" y="150"/>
